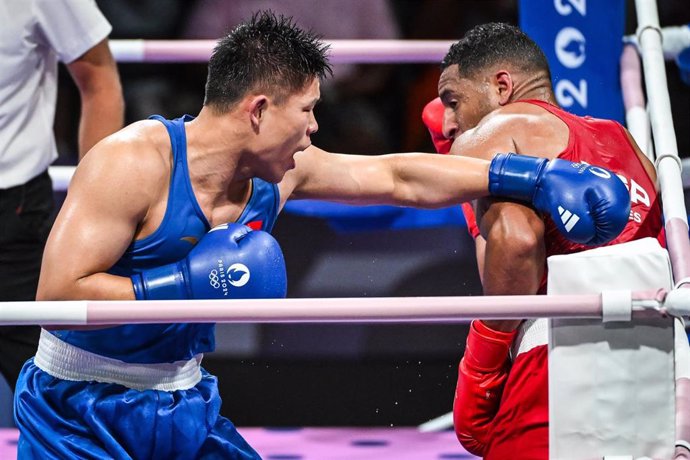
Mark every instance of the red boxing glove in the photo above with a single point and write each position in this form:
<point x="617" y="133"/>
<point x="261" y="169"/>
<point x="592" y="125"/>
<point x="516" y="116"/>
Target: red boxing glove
<point x="482" y="374"/>
<point x="471" y="219"/>
<point x="432" y="116"/>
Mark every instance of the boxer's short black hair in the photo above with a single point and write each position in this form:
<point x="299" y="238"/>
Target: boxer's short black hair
<point x="495" y="43"/>
<point x="268" y="53"/>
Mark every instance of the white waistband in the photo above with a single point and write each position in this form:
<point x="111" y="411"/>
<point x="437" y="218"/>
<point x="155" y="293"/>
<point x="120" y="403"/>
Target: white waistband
<point x="531" y="334"/>
<point x="67" y="362"/>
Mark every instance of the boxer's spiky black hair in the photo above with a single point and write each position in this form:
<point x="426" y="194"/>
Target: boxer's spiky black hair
<point x="269" y="54"/>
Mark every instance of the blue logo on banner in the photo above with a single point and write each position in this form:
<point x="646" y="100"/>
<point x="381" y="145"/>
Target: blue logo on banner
<point x="582" y="41"/>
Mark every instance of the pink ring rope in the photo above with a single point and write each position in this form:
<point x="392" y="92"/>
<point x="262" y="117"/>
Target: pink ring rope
<point x="342" y="51"/>
<point x="351" y="310"/>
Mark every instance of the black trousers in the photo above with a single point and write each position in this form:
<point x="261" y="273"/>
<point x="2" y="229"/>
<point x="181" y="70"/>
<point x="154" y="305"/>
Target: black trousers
<point x="26" y="216"/>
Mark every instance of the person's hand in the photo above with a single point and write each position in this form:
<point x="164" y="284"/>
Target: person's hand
<point x="589" y="204"/>
<point x="230" y="262"/>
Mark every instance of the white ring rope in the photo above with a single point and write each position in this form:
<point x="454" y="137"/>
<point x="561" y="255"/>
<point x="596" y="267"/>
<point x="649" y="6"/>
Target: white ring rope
<point x="636" y="117"/>
<point x="352" y="310"/>
<point x="669" y="165"/>
<point x="342" y="51"/>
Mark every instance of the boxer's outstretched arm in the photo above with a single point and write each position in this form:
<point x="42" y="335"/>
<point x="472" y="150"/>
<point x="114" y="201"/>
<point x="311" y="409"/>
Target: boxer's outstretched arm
<point x="108" y="196"/>
<point x="405" y="179"/>
<point x="597" y="197"/>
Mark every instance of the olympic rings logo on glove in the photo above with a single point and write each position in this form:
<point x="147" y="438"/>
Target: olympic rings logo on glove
<point x="214" y="280"/>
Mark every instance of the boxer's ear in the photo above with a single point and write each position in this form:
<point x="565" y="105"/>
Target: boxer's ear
<point x="503" y="81"/>
<point x="256" y="108"/>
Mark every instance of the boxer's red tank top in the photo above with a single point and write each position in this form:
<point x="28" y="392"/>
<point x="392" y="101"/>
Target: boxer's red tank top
<point x="520" y="428"/>
<point x="604" y="143"/>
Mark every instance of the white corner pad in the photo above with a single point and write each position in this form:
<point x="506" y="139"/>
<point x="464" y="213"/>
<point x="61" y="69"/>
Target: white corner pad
<point x="677" y="302"/>
<point x="616" y="305"/>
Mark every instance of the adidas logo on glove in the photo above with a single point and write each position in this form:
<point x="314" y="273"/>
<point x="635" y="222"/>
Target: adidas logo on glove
<point x="568" y="218"/>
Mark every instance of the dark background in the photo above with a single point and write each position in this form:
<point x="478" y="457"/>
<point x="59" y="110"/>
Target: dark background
<point x="341" y="374"/>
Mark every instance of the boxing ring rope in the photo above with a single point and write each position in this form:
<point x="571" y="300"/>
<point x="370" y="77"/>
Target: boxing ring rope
<point x="668" y="162"/>
<point x="611" y="305"/>
<point x="636" y="117"/>
<point x="341" y="52"/>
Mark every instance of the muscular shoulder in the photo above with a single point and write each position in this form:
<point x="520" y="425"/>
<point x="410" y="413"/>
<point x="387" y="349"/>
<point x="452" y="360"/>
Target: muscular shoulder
<point x="495" y="133"/>
<point x="524" y="128"/>
<point x="137" y="157"/>
<point x="518" y="118"/>
<point x="143" y="145"/>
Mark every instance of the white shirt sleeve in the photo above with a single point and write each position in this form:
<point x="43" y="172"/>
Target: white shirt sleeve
<point x="71" y="27"/>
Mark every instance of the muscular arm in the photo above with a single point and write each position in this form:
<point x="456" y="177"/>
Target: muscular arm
<point x="514" y="256"/>
<point x="406" y="179"/>
<point x="514" y="253"/>
<point x="102" y="106"/>
<point x="107" y="199"/>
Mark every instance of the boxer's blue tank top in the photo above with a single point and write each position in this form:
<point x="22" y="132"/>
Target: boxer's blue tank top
<point x="183" y="224"/>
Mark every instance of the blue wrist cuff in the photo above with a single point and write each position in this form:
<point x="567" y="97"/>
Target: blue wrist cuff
<point x="514" y="176"/>
<point x="160" y="283"/>
<point x="138" y="285"/>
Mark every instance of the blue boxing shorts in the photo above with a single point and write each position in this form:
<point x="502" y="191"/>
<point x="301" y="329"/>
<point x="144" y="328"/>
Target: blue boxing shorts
<point x="61" y="419"/>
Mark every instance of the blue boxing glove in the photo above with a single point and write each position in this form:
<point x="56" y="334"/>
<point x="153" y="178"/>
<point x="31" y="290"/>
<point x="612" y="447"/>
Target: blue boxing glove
<point x="589" y="204"/>
<point x="230" y="262"/>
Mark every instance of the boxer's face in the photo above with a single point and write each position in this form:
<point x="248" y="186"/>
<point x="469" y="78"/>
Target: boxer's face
<point x="289" y="126"/>
<point x="466" y="101"/>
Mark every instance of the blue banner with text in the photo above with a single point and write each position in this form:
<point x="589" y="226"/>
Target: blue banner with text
<point x="582" y="40"/>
